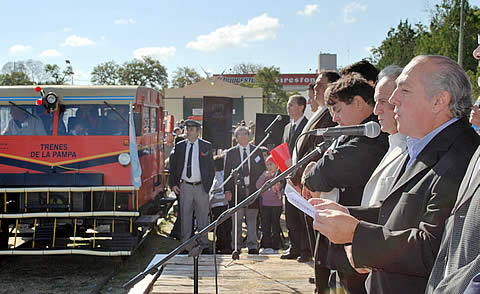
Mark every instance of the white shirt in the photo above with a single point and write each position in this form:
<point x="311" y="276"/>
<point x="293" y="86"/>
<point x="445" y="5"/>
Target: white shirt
<point x="382" y="179"/>
<point x="246" y="179"/>
<point x="196" y="177"/>
<point x="297" y="122"/>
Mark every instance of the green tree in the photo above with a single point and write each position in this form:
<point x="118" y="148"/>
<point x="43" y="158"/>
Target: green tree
<point x="442" y="36"/>
<point x="398" y="48"/>
<point x="185" y="76"/>
<point x="145" y="72"/>
<point x="274" y="97"/>
<point x="14" y="79"/>
<point x="58" y="76"/>
<point x="106" y="74"/>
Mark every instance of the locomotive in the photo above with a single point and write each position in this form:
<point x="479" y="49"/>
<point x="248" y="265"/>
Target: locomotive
<point x="70" y="164"/>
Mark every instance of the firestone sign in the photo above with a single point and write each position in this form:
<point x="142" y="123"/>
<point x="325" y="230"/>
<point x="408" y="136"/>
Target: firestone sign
<point x="285" y="79"/>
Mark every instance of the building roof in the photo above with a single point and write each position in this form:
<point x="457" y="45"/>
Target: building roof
<point x="213" y="87"/>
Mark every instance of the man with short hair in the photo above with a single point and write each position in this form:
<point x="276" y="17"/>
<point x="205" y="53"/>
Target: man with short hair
<point x="249" y="174"/>
<point x="320" y="119"/>
<point x="344" y="169"/>
<point x="297" y="232"/>
<point x="399" y="239"/>
<point x="363" y="67"/>
<point x="311" y="97"/>
<point x="192" y="172"/>
<point x="381" y="181"/>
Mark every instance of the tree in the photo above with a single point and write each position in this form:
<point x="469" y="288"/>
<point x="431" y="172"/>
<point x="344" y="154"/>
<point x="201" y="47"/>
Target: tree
<point x="106" y="74"/>
<point x="185" y="76"/>
<point x="14" y="79"/>
<point x="246" y="68"/>
<point x="398" y="48"/>
<point x="146" y="72"/>
<point x="275" y="98"/>
<point x="442" y="36"/>
<point x="57" y="75"/>
<point x="32" y="68"/>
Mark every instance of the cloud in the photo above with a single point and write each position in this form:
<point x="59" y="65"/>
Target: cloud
<point x="50" y="53"/>
<point x="76" y="41"/>
<point x="159" y="53"/>
<point x="308" y="10"/>
<point x="19" y="49"/>
<point x="259" y="28"/>
<point x="124" y="21"/>
<point x="350" y="8"/>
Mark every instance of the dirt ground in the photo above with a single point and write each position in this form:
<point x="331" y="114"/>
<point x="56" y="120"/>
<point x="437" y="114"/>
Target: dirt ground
<point x="84" y="274"/>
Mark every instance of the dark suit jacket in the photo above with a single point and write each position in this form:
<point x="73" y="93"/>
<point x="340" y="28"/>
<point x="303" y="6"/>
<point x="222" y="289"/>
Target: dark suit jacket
<point x="257" y="167"/>
<point x="402" y="239"/>
<point x="320" y="119"/>
<point x="298" y="131"/>
<point x="207" y="165"/>
<point x="348" y="166"/>
<point x="461" y="240"/>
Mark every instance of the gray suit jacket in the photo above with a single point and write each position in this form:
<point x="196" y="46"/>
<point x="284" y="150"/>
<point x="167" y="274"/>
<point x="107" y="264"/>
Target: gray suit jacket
<point x="460" y="247"/>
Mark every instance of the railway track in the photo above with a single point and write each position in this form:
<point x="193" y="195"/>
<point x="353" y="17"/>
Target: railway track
<point x="79" y="273"/>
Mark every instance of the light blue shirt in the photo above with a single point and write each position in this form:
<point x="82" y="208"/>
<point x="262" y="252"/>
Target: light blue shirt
<point x="415" y="146"/>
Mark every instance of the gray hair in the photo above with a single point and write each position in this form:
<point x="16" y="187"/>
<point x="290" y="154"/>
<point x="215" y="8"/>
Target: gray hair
<point x="391" y="71"/>
<point x="241" y="129"/>
<point x="451" y="78"/>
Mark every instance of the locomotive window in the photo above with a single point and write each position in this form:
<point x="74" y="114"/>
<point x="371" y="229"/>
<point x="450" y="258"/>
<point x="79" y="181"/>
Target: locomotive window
<point x="153" y="120"/>
<point x="146" y="119"/>
<point x="25" y="120"/>
<point x="93" y="120"/>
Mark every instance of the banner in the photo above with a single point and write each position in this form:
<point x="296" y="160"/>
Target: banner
<point x="134" y="161"/>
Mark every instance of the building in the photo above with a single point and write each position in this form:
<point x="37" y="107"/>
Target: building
<point x="186" y="102"/>
<point x="327" y="61"/>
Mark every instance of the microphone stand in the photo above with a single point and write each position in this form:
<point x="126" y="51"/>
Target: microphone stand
<point x="190" y="243"/>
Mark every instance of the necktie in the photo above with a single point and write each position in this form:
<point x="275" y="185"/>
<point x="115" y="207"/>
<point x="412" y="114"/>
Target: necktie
<point x="245" y="169"/>
<point x="189" y="161"/>
<point x="292" y="131"/>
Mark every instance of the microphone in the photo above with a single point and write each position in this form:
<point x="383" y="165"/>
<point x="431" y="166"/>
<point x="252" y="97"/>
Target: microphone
<point x="277" y="118"/>
<point x="371" y="129"/>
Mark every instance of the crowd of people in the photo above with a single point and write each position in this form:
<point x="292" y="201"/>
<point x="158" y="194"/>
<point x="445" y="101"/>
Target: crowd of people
<point x="397" y="213"/>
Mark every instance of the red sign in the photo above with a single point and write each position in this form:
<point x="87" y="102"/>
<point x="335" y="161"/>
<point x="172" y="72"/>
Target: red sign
<point x="285" y="79"/>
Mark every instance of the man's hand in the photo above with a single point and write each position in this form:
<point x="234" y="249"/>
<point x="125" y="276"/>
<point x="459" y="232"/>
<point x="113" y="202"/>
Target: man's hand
<point x="228" y="195"/>
<point x="323" y="204"/>
<point x="337" y="226"/>
<point x="348" y="251"/>
<point x="297" y="188"/>
<point x="176" y="189"/>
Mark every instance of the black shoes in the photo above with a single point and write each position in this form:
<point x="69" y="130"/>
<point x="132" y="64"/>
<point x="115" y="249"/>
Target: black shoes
<point x="304" y="258"/>
<point x="252" y="251"/>
<point x="289" y="255"/>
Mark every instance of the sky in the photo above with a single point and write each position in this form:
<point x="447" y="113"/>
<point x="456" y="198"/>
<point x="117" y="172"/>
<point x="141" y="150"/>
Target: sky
<point x="208" y="35"/>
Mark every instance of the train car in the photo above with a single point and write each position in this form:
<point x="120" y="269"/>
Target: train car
<point x="68" y="162"/>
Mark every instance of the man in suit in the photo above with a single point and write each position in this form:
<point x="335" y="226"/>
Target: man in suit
<point x="458" y="260"/>
<point x="320" y="119"/>
<point x="399" y="239"/>
<point x="381" y="181"/>
<point x="297" y="231"/>
<point x="343" y="170"/>
<point x="192" y="173"/>
<point x="248" y="176"/>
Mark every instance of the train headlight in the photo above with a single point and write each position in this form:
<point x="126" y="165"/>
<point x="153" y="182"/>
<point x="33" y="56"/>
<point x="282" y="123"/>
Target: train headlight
<point x="51" y="100"/>
<point x="124" y="159"/>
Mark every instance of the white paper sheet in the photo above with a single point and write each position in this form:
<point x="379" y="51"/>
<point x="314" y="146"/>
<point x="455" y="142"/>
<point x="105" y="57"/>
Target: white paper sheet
<point x="298" y="201"/>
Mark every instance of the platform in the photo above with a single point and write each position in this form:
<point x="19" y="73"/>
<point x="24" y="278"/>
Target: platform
<point x="249" y="274"/>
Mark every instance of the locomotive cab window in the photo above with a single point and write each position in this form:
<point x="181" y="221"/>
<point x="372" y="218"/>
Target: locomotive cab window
<point x="25" y="120"/>
<point x="94" y="120"/>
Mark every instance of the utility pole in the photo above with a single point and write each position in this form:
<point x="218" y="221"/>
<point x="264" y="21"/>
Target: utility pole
<point x="460" y="37"/>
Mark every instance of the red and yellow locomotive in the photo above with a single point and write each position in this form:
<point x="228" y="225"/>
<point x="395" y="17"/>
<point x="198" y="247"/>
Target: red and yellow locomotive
<point x="66" y="162"/>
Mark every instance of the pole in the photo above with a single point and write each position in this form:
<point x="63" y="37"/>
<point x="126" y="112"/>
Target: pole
<point x="460" y="37"/>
